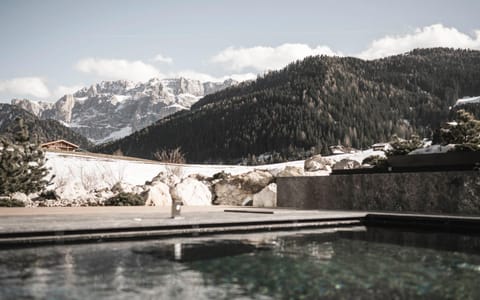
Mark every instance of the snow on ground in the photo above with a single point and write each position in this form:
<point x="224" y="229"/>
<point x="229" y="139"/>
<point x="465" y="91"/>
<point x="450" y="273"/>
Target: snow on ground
<point x="177" y="106"/>
<point x="93" y="172"/>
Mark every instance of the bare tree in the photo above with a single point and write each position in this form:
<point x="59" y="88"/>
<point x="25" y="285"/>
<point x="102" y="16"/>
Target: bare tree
<point x="174" y="156"/>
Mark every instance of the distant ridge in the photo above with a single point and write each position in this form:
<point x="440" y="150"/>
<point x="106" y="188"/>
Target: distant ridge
<point x="110" y="110"/>
<point x="315" y="103"/>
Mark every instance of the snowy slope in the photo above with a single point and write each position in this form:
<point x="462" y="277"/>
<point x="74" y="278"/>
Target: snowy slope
<point x="98" y="173"/>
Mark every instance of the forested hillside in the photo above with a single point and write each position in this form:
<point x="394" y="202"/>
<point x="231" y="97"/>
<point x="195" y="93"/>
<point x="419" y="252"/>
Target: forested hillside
<point x="315" y="103"/>
<point x="40" y="131"/>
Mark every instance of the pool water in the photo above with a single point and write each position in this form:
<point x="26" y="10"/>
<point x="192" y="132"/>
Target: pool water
<point x="354" y="263"/>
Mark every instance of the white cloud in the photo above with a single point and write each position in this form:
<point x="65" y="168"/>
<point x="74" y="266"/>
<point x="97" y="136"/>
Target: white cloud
<point x="25" y="86"/>
<point x="62" y="90"/>
<point x="435" y="35"/>
<point x="163" y="59"/>
<point x="263" y="58"/>
<point x="113" y="69"/>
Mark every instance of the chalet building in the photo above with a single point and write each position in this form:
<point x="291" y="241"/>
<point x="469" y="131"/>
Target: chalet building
<point x="60" y="145"/>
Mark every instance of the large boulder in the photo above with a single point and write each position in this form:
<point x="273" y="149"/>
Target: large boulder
<point x="157" y="194"/>
<point x="292" y="171"/>
<point x="192" y="192"/>
<point x="317" y="163"/>
<point x="347" y="164"/>
<point x="231" y="194"/>
<point x="266" y="197"/>
<point x="239" y="189"/>
<point x="168" y="178"/>
<point x="73" y="190"/>
<point x="253" y="181"/>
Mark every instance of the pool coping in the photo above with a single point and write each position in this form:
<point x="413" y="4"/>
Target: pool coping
<point x="278" y="220"/>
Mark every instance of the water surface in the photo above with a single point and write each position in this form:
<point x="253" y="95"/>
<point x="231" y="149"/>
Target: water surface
<point x="349" y="264"/>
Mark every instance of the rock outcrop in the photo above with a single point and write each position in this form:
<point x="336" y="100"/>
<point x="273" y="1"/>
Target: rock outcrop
<point x="113" y="109"/>
<point x="267" y="197"/>
<point x="347" y="164"/>
<point x="239" y="189"/>
<point x="317" y="163"/>
<point x="192" y="192"/>
<point x="157" y="194"/>
<point x="291" y="171"/>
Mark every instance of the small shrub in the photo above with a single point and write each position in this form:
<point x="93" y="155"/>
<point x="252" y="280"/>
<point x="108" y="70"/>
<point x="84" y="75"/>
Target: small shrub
<point x="173" y="156"/>
<point x="7" y="202"/>
<point x="125" y="199"/>
<point x="464" y="133"/>
<point x="403" y="147"/>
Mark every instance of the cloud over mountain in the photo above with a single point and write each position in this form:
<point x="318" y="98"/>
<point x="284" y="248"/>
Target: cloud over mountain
<point x="261" y="58"/>
<point x="113" y="69"/>
<point x="436" y="35"/>
<point x="25" y="86"/>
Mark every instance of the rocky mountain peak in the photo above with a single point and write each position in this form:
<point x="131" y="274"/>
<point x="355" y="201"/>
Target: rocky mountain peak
<point x="112" y="109"/>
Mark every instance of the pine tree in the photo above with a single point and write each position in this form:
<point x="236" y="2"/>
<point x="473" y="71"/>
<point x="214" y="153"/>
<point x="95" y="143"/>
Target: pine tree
<point x="22" y="164"/>
<point x="464" y="133"/>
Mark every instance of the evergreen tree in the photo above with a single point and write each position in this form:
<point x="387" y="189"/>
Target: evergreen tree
<point x="22" y="164"/>
<point x="464" y="133"/>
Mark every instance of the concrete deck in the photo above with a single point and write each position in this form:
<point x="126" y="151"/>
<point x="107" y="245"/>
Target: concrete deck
<point x="34" y="226"/>
<point x="20" y="226"/>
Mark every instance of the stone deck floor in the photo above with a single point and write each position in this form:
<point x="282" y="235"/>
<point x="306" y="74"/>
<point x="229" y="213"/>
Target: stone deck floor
<point x="25" y="226"/>
<point x="48" y="225"/>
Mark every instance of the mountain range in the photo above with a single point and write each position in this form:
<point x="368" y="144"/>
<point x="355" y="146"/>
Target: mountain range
<point x="113" y="109"/>
<point x="315" y="103"/>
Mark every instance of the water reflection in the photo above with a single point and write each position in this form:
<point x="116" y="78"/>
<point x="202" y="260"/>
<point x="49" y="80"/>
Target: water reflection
<point x="291" y="265"/>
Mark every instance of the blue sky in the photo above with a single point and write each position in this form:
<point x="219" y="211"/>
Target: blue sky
<point x="54" y="47"/>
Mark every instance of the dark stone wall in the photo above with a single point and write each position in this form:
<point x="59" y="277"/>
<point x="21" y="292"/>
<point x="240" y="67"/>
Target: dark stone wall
<point x="422" y="192"/>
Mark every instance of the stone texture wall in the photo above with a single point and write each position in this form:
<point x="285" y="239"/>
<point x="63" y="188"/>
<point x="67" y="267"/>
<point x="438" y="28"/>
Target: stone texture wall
<point x="426" y="192"/>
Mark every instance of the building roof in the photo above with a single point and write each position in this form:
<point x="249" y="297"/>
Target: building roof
<point x="60" y="141"/>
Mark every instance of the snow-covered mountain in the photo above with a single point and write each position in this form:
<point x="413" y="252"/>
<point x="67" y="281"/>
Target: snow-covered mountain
<point x="113" y="109"/>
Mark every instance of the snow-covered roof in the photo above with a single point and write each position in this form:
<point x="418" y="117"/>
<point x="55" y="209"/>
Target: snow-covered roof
<point x="380" y="145"/>
<point x="59" y="141"/>
<point x="468" y="100"/>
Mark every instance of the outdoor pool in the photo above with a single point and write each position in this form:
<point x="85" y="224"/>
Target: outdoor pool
<point x="350" y="263"/>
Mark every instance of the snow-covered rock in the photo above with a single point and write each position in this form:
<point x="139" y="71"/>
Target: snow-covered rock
<point x="317" y="163"/>
<point x="113" y="109"/>
<point x="266" y="197"/>
<point x="20" y="197"/>
<point x="168" y="178"/>
<point x="73" y="190"/>
<point x="291" y="171"/>
<point x="157" y="194"/>
<point x="192" y="192"/>
<point x="253" y="181"/>
<point x="347" y="164"/>
<point x="239" y="189"/>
